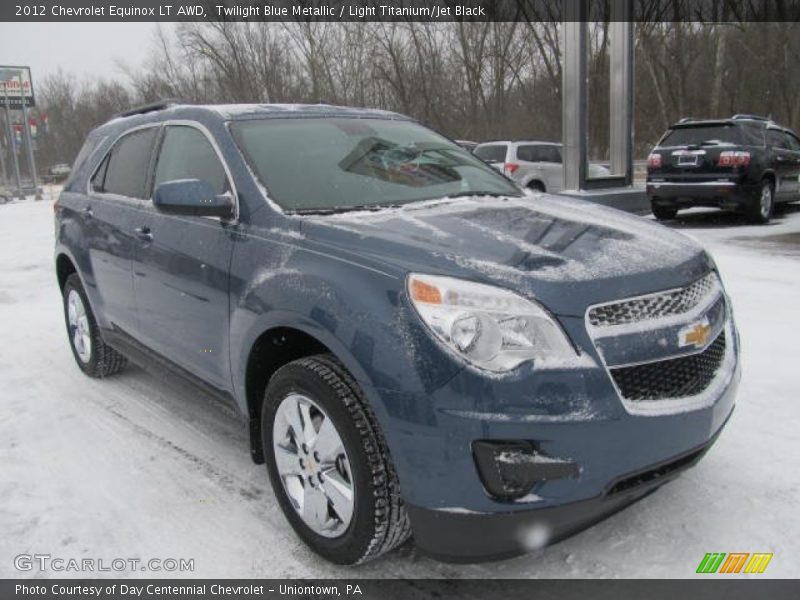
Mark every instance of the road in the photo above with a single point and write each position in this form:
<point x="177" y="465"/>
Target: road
<point x="139" y="467"/>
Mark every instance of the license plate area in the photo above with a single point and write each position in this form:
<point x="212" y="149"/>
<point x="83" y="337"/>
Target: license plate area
<point x="687" y="160"/>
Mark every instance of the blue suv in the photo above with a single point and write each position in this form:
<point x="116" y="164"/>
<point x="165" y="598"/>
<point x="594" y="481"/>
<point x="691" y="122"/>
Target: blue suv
<point x="417" y="345"/>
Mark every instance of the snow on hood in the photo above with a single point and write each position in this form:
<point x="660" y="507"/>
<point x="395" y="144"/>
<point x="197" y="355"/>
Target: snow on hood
<point x="570" y="251"/>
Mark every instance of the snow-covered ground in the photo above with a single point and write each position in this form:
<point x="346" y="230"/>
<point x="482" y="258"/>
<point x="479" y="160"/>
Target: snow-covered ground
<point x="139" y="467"/>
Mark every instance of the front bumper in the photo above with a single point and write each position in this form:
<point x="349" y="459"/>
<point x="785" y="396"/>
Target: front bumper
<point x="573" y="415"/>
<point x="463" y="536"/>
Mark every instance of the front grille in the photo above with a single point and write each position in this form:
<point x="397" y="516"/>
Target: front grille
<point x="652" y="306"/>
<point x="672" y="378"/>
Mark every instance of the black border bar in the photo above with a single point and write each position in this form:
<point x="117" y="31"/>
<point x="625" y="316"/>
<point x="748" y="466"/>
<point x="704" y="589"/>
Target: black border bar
<point x="704" y="587"/>
<point x="708" y="11"/>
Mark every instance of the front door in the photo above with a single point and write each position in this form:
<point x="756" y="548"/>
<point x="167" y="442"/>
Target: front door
<point x="783" y="160"/>
<point x="792" y="155"/>
<point x="181" y="267"/>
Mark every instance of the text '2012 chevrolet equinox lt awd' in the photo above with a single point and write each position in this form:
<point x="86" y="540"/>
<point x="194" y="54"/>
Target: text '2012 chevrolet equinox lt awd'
<point x="418" y="346"/>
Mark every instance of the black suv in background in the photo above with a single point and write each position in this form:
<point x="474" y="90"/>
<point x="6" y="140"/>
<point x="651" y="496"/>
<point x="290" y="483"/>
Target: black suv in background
<point x="745" y="163"/>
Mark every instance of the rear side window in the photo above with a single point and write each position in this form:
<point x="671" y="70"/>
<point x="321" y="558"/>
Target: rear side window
<point x="493" y="153"/>
<point x="752" y="134"/>
<point x="776" y="139"/>
<point x="703" y="134"/>
<point x="91" y="144"/>
<point x="792" y="142"/>
<point x="186" y="153"/>
<point x="539" y="153"/>
<point x="124" y="171"/>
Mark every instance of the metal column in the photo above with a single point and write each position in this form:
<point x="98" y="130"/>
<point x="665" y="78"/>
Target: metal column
<point x="573" y="94"/>
<point x="621" y="90"/>
<point x="575" y="126"/>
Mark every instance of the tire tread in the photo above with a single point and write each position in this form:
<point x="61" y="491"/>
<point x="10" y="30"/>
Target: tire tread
<point x="392" y="526"/>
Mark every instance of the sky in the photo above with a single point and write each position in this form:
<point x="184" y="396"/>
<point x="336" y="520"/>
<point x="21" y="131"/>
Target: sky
<point x="85" y="49"/>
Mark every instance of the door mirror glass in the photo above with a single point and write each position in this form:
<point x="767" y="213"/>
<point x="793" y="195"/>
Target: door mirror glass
<point x="192" y="197"/>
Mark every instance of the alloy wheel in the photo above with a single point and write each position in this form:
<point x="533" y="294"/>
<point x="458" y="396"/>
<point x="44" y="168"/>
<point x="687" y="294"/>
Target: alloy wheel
<point x="313" y="465"/>
<point x="765" y="202"/>
<point x="80" y="334"/>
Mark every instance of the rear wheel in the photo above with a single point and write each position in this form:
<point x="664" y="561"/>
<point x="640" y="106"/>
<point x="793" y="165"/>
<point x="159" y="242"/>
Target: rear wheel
<point x="536" y="186"/>
<point x="93" y="356"/>
<point x="328" y="462"/>
<point x="761" y="211"/>
<point x="662" y="212"/>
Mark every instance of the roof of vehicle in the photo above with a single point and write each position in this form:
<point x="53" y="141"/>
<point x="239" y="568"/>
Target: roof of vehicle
<point x="735" y="119"/>
<point x="167" y="110"/>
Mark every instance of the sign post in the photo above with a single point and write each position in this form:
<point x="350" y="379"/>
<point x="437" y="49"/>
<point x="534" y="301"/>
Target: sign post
<point x="3" y="162"/>
<point x="29" y="141"/>
<point x="18" y="94"/>
<point x="11" y="141"/>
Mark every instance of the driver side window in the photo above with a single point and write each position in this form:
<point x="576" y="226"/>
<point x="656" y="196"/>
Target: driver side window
<point x="186" y="153"/>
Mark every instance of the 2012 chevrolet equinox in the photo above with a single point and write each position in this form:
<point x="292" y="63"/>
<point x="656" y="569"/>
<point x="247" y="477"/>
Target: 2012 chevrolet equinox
<point x="418" y="346"/>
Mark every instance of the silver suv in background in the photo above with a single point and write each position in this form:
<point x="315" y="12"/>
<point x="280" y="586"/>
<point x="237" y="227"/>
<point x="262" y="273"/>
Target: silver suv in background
<point x="535" y="165"/>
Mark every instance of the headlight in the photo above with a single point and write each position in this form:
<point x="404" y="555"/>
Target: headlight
<point x="489" y="327"/>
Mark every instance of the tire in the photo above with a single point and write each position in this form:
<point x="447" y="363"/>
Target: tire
<point x="760" y="212"/>
<point x="378" y="521"/>
<point x="93" y="356"/>
<point x="536" y="186"/>
<point x="662" y="212"/>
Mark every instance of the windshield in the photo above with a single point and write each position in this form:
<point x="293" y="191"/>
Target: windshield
<point x="324" y="164"/>
<point x="707" y="134"/>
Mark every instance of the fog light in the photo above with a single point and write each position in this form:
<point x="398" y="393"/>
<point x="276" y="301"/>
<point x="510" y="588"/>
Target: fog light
<point x="509" y="469"/>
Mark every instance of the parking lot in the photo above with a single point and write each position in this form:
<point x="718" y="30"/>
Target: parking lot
<point x="136" y="466"/>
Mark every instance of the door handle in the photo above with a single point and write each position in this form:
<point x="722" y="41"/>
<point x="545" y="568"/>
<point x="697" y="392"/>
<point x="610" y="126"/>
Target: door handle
<point x="87" y="212"/>
<point x="143" y="233"/>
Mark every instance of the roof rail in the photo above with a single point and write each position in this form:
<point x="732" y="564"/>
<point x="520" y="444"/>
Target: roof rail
<point x="149" y="107"/>
<point x="687" y="120"/>
<point x="753" y="117"/>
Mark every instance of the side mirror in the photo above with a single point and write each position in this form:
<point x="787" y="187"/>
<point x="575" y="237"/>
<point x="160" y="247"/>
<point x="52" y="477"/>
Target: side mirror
<point x="192" y="197"/>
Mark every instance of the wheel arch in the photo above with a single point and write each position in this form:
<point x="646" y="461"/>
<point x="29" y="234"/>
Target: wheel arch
<point x="64" y="268"/>
<point x="535" y="179"/>
<point x="274" y="346"/>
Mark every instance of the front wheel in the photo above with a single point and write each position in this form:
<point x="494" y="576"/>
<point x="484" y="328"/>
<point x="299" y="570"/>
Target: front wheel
<point x="328" y="462"/>
<point x="761" y="212"/>
<point x="94" y="357"/>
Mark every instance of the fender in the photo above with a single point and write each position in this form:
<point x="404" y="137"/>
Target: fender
<point x="285" y="318"/>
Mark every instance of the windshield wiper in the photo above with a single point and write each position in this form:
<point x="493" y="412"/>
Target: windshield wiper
<point x="334" y="210"/>
<point x="467" y="194"/>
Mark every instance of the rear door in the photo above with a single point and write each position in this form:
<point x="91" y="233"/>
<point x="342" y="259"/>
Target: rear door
<point x="543" y="163"/>
<point x="116" y="196"/>
<point x="181" y="266"/>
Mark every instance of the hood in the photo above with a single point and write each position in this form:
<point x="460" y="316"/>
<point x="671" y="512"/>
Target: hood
<point x="566" y="253"/>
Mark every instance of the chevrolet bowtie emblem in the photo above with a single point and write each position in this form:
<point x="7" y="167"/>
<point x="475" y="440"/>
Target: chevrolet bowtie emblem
<point x="695" y="334"/>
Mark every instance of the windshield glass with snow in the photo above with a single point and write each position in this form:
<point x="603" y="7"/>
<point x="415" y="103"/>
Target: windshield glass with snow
<point x="310" y="164"/>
